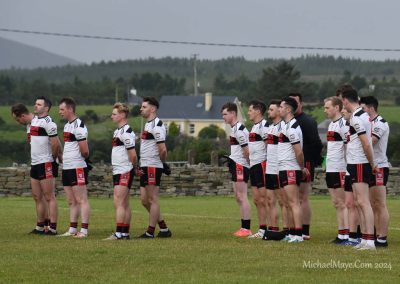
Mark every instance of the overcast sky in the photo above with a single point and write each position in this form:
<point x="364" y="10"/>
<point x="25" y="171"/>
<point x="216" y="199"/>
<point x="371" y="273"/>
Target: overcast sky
<point x="339" y="23"/>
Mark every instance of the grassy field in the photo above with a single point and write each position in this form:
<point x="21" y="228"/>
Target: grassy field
<point x="202" y="249"/>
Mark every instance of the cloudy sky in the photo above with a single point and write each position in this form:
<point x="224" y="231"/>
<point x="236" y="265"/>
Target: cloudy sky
<point x="339" y="23"/>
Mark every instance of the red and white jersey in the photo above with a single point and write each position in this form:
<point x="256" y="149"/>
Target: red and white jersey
<point x="239" y="138"/>
<point x="336" y="139"/>
<point x="40" y="131"/>
<point x="154" y="133"/>
<point x="291" y="134"/>
<point x="74" y="132"/>
<point x="274" y="131"/>
<point x="123" y="140"/>
<point x="359" y="125"/>
<point x="257" y="147"/>
<point x="380" y="129"/>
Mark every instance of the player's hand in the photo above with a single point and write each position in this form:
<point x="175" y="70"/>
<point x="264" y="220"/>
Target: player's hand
<point x="138" y="171"/>
<point x="305" y="173"/>
<point x="167" y="169"/>
<point x="375" y="169"/>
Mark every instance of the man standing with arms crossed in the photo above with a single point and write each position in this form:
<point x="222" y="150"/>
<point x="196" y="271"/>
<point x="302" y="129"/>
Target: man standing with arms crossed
<point x="380" y="136"/>
<point x="239" y="165"/>
<point x="45" y="149"/>
<point x="124" y="163"/>
<point x="291" y="166"/>
<point x="75" y="170"/>
<point x="360" y="165"/>
<point x="312" y="147"/>
<point x="42" y="175"/>
<point x="258" y="155"/>
<point x="153" y="154"/>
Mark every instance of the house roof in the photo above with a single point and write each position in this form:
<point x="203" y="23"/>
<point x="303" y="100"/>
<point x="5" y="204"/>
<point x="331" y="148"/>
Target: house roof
<point x="191" y="107"/>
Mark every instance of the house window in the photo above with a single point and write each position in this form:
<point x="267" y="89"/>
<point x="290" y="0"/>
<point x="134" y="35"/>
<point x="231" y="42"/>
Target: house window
<point x="191" y="128"/>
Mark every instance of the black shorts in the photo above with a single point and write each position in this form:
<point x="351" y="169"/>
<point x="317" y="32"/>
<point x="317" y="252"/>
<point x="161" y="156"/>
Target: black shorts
<point x="44" y="171"/>
<point x="360" y="173"/>
<point x="311" y="168"/>
<point x="347" y="184"/>
<point x="238" y="172"/>
<point x="380" y="178"/>
<point x="289" y="177"/>
<point x="257" y="175"/>
<point x="124" y="179"/>
<point x="335" y="179"/>
<point x="74" y="177"/>
<point x="272" y="181"/>
<point x="151" y="176"/>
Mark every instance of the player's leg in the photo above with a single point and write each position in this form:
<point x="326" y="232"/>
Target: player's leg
<point x="259" y="198"/>
<point x="378" y="199"/>
<point x="305" y="189"/>
<point x="81" y="196"/>
<point x="240" y="189"/>
<point x="292" y="194"/>
<point x="48" y="189"/>
<point x="74" y="211"/>
<point x="41" y="207"/>
<point x="120" y="203"/>
<point x="271" y="196"/>
<point x="361" y="191"/>
<point x="338" y="201"/>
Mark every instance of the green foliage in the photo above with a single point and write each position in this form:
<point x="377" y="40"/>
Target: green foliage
<point x="212" y="132"/>
<point x="173" y="130"/>
<point x="90" y="115"/>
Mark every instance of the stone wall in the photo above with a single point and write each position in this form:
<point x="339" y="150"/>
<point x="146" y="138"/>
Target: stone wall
<point x="189" y="180"/>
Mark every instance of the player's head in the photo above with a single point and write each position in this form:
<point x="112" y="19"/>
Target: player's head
<point x="67" y="108"/>
<point x="343" y="88"/>
<point x="350" y="98"/>
<point x="369" y="104"/>
<point x="120" y="112"/>
<point x="21" y="114"/>
<point x="299" y="99"/>
<point x="288" y="107"/>
<point x="229" y="112"/>
<point x="256" y="110"/>
<point x="273" y="109"/>
<point x="149" y="107"/>
<point x="332" y="107"/>
<point x="42" y="106"/>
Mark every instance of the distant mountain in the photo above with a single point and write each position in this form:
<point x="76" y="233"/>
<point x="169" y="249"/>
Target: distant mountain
<point x="19" y="55"/>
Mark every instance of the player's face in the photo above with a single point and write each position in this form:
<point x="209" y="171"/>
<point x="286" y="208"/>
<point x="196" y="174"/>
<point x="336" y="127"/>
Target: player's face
<point x="64" y="111"/>
<point x="330" y="110"/>
<point x="283" y="110"/>
<point x="146" y="109"/>
<point x="228" y="116"/>
<point x="346" y="104"/>
<point x="23" y="119"/>
<point x="273" y="112"/>
<point x="39" y="107"/>
<point x="366" y="109"/>
<point x="346" y="114"/>
<point x="116" y="116"/>
<point x="253" y="113"/>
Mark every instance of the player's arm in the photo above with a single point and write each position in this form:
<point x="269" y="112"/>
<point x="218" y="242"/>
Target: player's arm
<point x="56" y="148"/>
<point x="162" y="150"/>
<point x="132" y="156"/>
<point x="84" y="148"/>
<point x="299" y="154"/>
<point x="246" y="153"/>
<point x="367" y="149"/>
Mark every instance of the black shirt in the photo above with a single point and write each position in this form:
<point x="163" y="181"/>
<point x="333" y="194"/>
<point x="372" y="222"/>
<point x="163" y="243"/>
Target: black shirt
<point x="312" y="144"/>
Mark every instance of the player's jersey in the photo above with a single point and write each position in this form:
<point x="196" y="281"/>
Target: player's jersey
<point x="40" y="129"/>
<point x="154" y="133"/>
<point x="290" y="135"/>
<point x="123" y="140"/>
<point x="74" y="132"/>
<point x="359" y="125"/>
<point x="380" y="129"/>
<point x="239" y="138"/>
<point x="336" y="140"/>
<point x="257" y="147"/>
<point x="274" y="131"/>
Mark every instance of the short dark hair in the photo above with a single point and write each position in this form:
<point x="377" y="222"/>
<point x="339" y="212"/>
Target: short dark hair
<point x="275" y="102"/>
<point x="343" y="88"/>
<point x="290" y="102"/>
<point x="47" y="102"/>
<point x="229" y="106"/>
<point x="151" y="101"/>
<point x="351" y="95"/>
<point x="258" y="105"/>
<point x="295" y="94"/>
<point x="19" y="109"/>
<point x="69" y="102"/>
<point x="370" y="101"/>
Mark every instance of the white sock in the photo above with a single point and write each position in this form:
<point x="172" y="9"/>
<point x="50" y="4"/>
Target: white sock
<point x="72" y="230"/>
<point x="118" y="234"/>
<point x="370" y="242"/>
<point x="84" y="231"/>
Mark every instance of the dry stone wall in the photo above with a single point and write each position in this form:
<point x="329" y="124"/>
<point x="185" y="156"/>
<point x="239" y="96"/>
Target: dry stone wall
<point x="189" y="180"/>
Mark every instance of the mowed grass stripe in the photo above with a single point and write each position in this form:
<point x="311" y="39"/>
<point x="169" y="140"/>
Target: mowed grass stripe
<point x="202" y="249"/>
